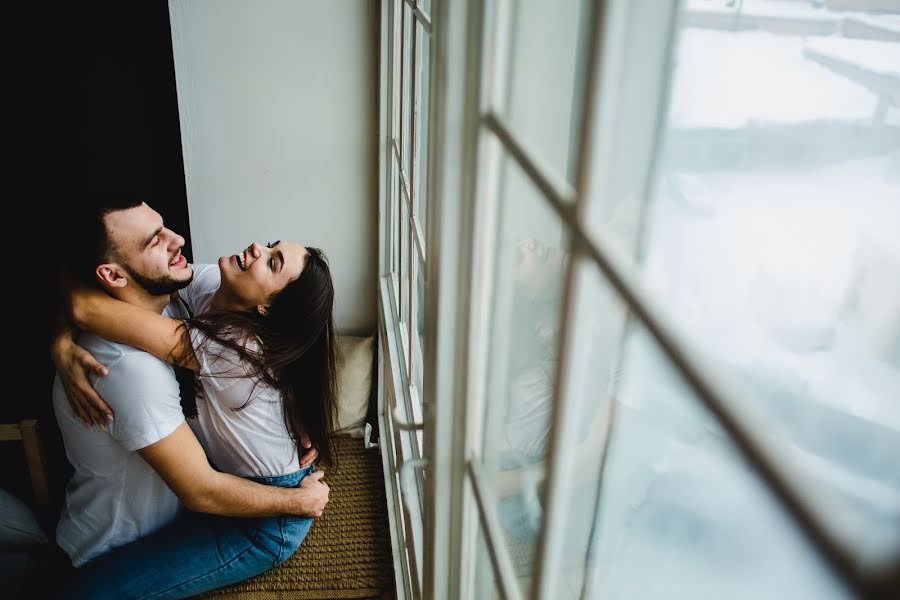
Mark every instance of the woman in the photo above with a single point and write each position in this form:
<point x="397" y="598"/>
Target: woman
<point x="261" y="342"/>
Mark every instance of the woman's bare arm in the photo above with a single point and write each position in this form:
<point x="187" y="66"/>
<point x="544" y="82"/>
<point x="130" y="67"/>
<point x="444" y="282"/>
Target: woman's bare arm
<point x="119" y="321"/>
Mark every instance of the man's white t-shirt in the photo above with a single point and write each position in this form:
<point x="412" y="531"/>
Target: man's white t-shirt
<point x="240" y="422"/>
<point x="114" y="497"/>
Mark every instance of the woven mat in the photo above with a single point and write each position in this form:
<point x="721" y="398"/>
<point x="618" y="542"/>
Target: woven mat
<point x="347" y="553"/>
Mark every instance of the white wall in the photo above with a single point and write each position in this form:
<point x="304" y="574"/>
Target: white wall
<point x="278" y="108"/>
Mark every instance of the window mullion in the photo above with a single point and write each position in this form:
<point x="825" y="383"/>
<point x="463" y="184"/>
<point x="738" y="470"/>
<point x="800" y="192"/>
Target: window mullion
<point x="549" y="183"/>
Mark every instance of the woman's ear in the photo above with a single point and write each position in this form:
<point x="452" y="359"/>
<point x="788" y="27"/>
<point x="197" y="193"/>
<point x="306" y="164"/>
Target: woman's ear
<point x="263" y="309"/>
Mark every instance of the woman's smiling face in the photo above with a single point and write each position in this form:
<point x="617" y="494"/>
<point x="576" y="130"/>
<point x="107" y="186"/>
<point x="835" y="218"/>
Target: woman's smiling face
<point x="251" y="278"/>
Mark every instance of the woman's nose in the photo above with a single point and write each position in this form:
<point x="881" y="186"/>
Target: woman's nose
<point x="255" y="249"/>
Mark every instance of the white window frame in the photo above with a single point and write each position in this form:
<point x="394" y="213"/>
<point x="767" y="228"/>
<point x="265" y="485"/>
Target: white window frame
<point x="465" y="137"/>
<point x="619" y="29"/>
<point x="400" y="355"/>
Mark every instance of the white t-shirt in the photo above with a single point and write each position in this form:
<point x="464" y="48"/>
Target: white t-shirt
<point x="114" y="497"/>
<point x="249" y="441"/>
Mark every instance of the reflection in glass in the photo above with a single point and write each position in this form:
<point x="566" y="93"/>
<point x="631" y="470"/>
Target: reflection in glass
<point x="772" y="236"/>
<point x="680" y="514"/>
<point x="529" y="269"/>
<point x="594" y="365"/>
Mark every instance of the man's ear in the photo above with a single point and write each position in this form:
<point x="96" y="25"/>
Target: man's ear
<point x="111" y="275"/>
<point x="263" y="309"/>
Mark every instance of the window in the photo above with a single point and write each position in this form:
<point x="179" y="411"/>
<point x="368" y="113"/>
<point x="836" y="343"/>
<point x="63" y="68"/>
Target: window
<point x="406" y="67"/>
<point x="678" y="363"/>
<point x="408" y="164"/>
<point x="749" y="226"/>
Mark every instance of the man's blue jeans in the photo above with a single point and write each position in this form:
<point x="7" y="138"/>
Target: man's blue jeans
<point x="194" y="553"/>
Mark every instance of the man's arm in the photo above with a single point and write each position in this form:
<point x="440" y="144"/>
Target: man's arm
<point x="181" y="462"/>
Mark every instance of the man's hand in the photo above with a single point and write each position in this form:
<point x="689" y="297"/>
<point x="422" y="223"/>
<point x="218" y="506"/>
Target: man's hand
<point x="74" y="365"/>
<point x="315" y="495"/>
<point x="310" y="453"/>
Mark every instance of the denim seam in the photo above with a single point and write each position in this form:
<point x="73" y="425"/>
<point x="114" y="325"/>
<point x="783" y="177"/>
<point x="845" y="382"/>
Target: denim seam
<point x="283" y="540"/>
<point x="208" y="573"/>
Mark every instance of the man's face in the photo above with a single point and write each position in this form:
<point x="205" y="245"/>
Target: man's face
<point x="148" y="251"/>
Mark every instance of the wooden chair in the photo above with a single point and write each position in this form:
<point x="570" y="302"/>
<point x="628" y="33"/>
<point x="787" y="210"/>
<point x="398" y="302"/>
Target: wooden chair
<point x="28" y="432"/>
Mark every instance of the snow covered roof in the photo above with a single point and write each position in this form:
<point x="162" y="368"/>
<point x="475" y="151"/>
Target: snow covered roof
<point x="729" y="79"/>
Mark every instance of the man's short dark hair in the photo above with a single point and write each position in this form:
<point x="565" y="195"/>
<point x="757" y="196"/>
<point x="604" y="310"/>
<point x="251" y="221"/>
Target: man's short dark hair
<point x="85" y="239"/>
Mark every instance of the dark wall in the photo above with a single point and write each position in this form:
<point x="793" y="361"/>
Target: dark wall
<point x="111" y="123"/>
<point x="113" y="114"/>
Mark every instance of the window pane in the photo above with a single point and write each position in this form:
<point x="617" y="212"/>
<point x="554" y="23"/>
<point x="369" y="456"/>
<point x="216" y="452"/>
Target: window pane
<point x="393" y="239"/>
<point x="593" y="366"/>
<point x="395" y="197"/>
<point x="543" y="98"/>
<point x="404" y="277"/>
<point x="406" y="90"/>
<point x="680" y="515"/>
<point x="486" y="584"/>
<point x="772" y="236"/>
<point x="529" y="269"/>
<point x="396" y="75"/>
<point x="423" y="43"/>
<point x="425" y="5"/>
<point x="420" y="319"/>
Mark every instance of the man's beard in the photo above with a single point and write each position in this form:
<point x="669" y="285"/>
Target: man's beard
<point x="158" y="286"/>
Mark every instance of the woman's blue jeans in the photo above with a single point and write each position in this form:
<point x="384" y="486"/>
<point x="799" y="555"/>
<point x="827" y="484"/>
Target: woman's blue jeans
<point x="194" y="553"/>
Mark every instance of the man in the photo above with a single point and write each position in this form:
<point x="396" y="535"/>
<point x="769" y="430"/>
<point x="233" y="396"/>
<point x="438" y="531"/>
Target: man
<point x="131" y="473"/>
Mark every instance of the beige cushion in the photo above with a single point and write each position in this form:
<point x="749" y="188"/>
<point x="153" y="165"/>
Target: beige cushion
<point x="354" y="377"/>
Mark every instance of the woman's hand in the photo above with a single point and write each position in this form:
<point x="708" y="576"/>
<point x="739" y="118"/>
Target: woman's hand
<point x="310" y="454"/>
<point x="74" y="364"/>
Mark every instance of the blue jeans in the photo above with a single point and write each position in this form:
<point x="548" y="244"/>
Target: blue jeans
<point x="194" y="553"/>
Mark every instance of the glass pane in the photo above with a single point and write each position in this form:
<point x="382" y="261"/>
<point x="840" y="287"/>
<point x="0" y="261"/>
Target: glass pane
<point x="773" y="237"/>
<point x="406" y="90"/>
<point x="394" y="218"/>
<point x="423" y="43"/>
<point x="420" y="319"/>
<point x="404" y="276"/>
<point x="529" y="269"/>
<point x="594" y="365"/>
<point x="486" y="580"/>
<point x="680" y="515"/>
<point x="543" y="97"/>
<point x="396" y="75"/>
<point x="424" y="6"/>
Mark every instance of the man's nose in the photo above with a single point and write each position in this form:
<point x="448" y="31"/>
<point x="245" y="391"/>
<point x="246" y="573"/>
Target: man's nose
<point x="175" y="240"/>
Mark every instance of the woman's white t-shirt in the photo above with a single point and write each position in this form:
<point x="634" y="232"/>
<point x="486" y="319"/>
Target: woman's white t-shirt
<point x="240" y="422"/>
